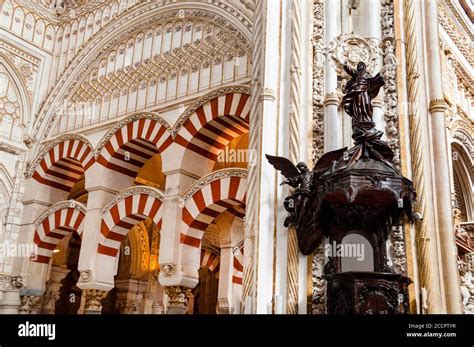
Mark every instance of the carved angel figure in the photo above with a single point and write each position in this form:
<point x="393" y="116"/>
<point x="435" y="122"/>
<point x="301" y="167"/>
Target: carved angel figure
<point x="359" y="92"/>
<point x="298" y="177"/>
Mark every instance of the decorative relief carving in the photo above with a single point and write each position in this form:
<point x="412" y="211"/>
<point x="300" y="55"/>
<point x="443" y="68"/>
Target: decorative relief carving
<point x="93" y="299"/>
<point x="132" y="191"/>
<point x="85" y="276"/>
<point x="46" y="109"/>
<point x="168" y="269"/>
<point x="350" y="49"/>
<point x="461" y="39"/>
<point x="214" y="176"/>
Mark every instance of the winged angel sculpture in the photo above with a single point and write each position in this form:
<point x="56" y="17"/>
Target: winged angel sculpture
<point x="301" y="204"/>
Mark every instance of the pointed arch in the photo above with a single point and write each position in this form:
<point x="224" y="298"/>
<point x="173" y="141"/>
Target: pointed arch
<point x="55" y="223"/>
<point x="123" y="212"/>
<point x="62" y="162"/>
<point x="138" y="138"/>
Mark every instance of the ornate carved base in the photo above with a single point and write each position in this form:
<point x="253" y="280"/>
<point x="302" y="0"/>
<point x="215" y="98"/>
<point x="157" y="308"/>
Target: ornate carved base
<point x="367" y="293"/>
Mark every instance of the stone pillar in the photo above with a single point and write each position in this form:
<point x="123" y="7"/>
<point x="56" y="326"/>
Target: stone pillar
<point x="372" y="17"/>
<point x="226" y="268"/>
<point x="53" y="286"/>
<point x="93" y="298"/>
<point x="332" y="118"/>
<point x="10" y="294"/>
<point x="95" y="275"/>
<point x="440" y="163"/>
<point x="177" y="300"/>
<point x="172" y="272"/>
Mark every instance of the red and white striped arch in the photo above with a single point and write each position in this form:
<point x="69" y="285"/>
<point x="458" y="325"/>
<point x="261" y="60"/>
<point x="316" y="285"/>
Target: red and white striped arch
<point x="130" y="143"/>
<point x="204" y="201"/>
<point x="62" y="162"/>
<point x="238" y="267"/>
<point x="214" y="124"/>
<point x="59" y="220"/>
<point x="123" y="212"/>
<point x="210" y="259"/>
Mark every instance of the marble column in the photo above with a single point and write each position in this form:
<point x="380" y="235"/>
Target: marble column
<point x="332" y="117"/>
<point x="440" y="170"/>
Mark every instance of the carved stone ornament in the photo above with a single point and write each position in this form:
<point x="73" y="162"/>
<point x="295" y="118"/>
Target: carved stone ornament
<point x="93" y="299"/>
<point x="85" y="276"/>
<point x="168" y="270"/>
<point x="177" y="299"/>
<point x="350" y="49"/>
<point x="27" y="303"/>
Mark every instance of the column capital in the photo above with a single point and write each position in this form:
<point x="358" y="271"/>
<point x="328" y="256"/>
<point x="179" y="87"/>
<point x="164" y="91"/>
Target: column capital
<point x="377" y="102"/>
<point x="267" y="94"/>
<point x="332" y="98"/>
<point x="177" y="299"/>
<point x="93" y="300"/>
<point x="438" y="105"/>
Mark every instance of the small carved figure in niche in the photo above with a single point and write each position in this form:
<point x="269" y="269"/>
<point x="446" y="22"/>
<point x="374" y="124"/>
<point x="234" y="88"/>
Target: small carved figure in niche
<point x="359" y="92"/>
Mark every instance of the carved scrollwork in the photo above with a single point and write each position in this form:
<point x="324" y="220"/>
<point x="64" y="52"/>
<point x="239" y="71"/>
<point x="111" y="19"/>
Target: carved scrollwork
<point x="350" y="49"/>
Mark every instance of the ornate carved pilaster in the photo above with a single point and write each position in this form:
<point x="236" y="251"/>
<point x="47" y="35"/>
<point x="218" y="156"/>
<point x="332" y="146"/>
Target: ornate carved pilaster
<point x="319" y="283"/>
<point x="177" y="300"/>
<point x="318" y="78"/>
<point x="93" y="298"/>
